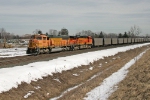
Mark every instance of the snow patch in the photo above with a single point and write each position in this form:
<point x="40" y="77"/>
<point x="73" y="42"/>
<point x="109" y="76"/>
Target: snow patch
<point x="37" y="87"/>
<point x="75" y="74"/>
<point x="57" y="80"/>
<point x="100" y="65"/>
<point x="55" y="98"/>
<point x="12" y="52"/>
<point x="91" y="68"/>
<point x="114" y="58"/>
<point x="29" y="94"/>
<point x="47" y="94"/>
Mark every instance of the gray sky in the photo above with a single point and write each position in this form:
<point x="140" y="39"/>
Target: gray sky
<point x="111" y="16"/>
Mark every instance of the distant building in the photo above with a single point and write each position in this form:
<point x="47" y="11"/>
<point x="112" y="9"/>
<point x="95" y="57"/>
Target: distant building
<point x="26" y="36"/>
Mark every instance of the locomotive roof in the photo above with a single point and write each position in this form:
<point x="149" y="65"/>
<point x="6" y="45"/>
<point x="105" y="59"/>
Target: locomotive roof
<point x="58" y="36"/>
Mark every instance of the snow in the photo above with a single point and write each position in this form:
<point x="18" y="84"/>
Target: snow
<point x="15" y="75"/>
<point x="12" y="52"/>
<point x="108" y="86"/>
<point x="91" y="68"/>
<point x="57" y="80"/>
<point x="56" y="98"/>
<point x="100" y="65"/>
<point x="28" y="94"/>
<point x="38" y="87"/>
<point x="75" y="74"/>
<point x="114" y="58"/>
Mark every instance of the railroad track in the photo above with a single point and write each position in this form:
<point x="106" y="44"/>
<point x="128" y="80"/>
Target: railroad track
<point x="23" y="60"/>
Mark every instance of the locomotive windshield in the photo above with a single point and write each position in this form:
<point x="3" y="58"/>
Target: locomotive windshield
<point x="39" y="38"/>
<point x="36" y="37"/>
<point x="33" y="37"/>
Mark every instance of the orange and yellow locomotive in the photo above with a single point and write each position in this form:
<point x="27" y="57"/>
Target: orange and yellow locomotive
<point x="41" y="43"/>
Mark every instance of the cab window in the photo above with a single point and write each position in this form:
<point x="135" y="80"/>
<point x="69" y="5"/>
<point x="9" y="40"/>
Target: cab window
<point x="44" y="38"/>
<point x="33" y="37"/>
<point x="39" y="38"/>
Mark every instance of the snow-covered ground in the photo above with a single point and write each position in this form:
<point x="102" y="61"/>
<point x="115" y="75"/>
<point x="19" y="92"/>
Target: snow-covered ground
<point x="9" y="77"/>
<point x="11" y="52"/>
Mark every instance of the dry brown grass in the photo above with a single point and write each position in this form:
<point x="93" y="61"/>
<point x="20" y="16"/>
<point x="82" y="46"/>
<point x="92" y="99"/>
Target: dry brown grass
<point x="50" y="88"/>
<point x="136" y="86"/>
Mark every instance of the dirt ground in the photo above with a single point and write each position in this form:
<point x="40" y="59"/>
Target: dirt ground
<point x="1" y="45"/>
<point x="134" y="87"/>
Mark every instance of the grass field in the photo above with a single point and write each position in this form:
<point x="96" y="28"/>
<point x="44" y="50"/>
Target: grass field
<point x="136" y="86"/>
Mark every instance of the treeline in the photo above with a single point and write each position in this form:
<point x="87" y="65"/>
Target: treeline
<point x="106" y="35"/>
<point x="134" y="32"/>
<point x="8" y="36"/>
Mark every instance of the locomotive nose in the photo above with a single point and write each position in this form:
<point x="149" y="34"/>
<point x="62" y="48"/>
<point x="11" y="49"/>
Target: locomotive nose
<point x="32" y="43"/>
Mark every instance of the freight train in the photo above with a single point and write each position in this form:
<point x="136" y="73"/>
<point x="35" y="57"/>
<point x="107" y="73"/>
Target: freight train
<point x="42" y="43"/>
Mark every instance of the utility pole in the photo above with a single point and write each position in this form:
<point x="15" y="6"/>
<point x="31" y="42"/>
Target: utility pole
<point x="4" y="42"/>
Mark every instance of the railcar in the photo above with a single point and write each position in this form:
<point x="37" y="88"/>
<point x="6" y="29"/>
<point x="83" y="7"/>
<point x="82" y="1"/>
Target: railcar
<point x="148" y="39"/>
<point x="129" y="40"/>
<point x="114" y="41"/>
<point x="107" y="41"/>
<point x="125" y="40"/>
<point x="97" y="42"/>
<point x="120" y="40"/>
<point x="133" y="40"/>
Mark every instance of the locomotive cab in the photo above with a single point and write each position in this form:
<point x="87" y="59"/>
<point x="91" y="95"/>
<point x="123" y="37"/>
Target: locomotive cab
<point x="38" y="43"/>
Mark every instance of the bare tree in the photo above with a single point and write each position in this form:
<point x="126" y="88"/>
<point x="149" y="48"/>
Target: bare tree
<point x="3" y="33"/>
<point x="105" y="35"/>
<point x="112" y="35"/>
<point x="37" y="31"/>
<point x="147" y="35"/>
<point x="53" y="32"/>
<point x="135" y="31"/>
<point x="64" y="31"/>
<point x="87" y="33"/>
<point x="138" y="30"/>
<point x="129" y="34"/>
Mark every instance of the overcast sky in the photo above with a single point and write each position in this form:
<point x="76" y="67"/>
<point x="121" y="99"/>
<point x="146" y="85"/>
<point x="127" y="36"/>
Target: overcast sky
<point x="111" y="16"/>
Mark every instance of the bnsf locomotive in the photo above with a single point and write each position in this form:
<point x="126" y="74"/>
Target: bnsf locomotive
<point x="41" y="43"/>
